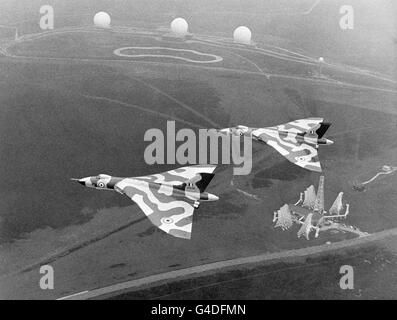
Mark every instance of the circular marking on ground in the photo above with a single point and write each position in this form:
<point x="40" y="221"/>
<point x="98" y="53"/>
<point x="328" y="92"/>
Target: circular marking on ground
<point x="167" y="53"/>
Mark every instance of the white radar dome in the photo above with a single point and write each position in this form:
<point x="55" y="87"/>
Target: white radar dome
<point x="242" y="35"/>
<point x="102" y="20"/>
<point x="179" y="26"/>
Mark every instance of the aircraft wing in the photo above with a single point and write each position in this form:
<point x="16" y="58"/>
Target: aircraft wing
<point x="296" y="151"/>
<point x="178" y="176"/>
<point x="173" y="216"/>
<point x="301" y="125"/>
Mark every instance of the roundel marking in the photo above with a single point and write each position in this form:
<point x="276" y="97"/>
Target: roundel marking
<point x="167" y="220"/>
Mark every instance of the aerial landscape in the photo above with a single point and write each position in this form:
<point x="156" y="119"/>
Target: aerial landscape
<point x="78" y="99"/>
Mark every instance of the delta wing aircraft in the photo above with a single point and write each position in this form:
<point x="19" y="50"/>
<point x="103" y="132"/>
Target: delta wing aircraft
<point x="298" y="140"/>
<point x="168" y="199"/>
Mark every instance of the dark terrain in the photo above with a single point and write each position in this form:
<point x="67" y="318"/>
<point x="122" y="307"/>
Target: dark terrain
<point x="66" y="117"/>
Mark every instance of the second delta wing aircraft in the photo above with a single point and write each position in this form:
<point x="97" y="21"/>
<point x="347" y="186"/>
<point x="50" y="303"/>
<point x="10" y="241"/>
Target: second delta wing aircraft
<point x="297" y="140"/>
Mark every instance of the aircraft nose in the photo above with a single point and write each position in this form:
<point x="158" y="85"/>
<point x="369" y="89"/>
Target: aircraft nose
<point x="212" y="197"/>
<point x="329" y="141"/>
<point x="81" y="181"/>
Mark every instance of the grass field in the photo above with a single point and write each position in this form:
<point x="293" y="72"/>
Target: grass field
<point x="71" y="108"/>
<point x="373" y="267"/>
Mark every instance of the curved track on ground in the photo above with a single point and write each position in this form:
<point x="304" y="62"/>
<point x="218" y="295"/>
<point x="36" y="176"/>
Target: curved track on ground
<point x="169" y="53"/>
<point x="225" y="43"/>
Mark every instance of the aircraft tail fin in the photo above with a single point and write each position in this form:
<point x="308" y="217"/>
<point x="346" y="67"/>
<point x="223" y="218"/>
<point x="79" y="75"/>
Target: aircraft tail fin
<point x="200" y="180"/>
<point x="324" y="126"/>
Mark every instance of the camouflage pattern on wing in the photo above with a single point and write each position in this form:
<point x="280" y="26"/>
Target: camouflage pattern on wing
<point x="301" y="125"/>
<point x="173" y="216"/>
<point x="178" y="176"/>
<point x="167" y="199"/>
<point x="288" y="139"/>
